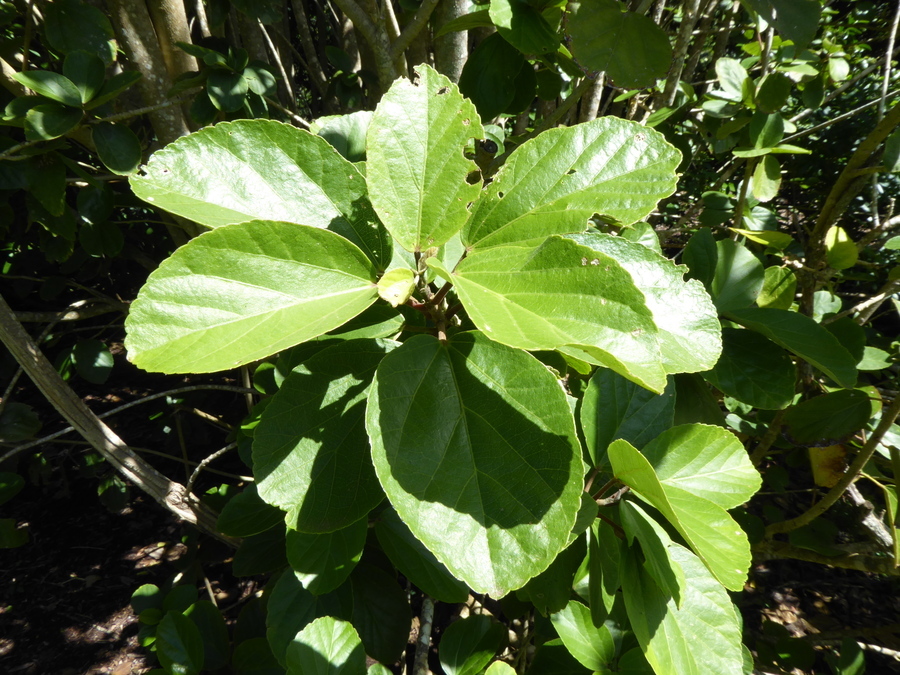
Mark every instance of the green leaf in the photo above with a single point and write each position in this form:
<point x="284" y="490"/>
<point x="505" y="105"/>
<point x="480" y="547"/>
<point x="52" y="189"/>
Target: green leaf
<point x="689" y="330"/>
<point x="555" y="182"/>
<point x="468" y="645"/>
<point x="840" y="250"/>
<point x="52" y="85"/>
<point x="802" y="336"/>
<point x="753" y="370"/>
<point x="291" y="607"/>
<point x="767" y="179"/>
<point x="254" y="657"/>
<point x="420" y="182"/>
<point x="243" y="292"/>
<point x="86" y="71"/>
<point x="454" y="427"/>
<point x="50" y="120"/>
<point x="113" y="87"/>
<point x="11" y="535"/>
<point x="561" y="294"/>
<point x="310" y="450"/>
<point x="246" y="514"/>
<point x="796" y="20"/>
<point x="656" y="546"/>
<point x="11" y="484"/>
<point x="613" y="407"/>
<point x="479" y="19"/>
<point x="779" y="240"/>
<point x="707" y="461"/>
<point x="701" y="255"/>
<point x="227" y="90"/>
<point x="733" y="79"/>
<point x="327" y="646"/>
<point x="766" y="130"/>
<point x="179" y="645"/>
<point x="773" y="92"/>
<point x="93" y="360"/>
<point x="261" y="169"/>
<point x="706" y="526"/>
<point x="594" y="647"/>
<point x="18" y="422"/>
<point x="500" y="668"/>
<point x="828" y="419"/>
<point x="71" y="25"/>
<point x="630" y="47"/>
<point x="213" y="633"/>
<point x="347" y="133"/>
<point x="416" y="562"/>
<point x="739" y="276"/>
<point x="779" y="286"/>
<point x="551" y="590"/>
<point x="523" y="27"/>
<point x="396" y="285"/>
<point x="702" y="636"/>
<point x="489" y="75"/>
<point x="260" y="553"/>
<point x="322" y="562"/>
<point x="119" y="149"/>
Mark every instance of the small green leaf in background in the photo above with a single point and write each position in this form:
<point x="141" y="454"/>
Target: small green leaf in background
<point x="773" y="92"/>
<point x="119" y="149"/>
<point x="453" y="427"/>
<point x="468" y="645"/>
<point x="551" y="590"/>
<point x="327" y="646"/>
<point x="779" y="286"/>
<point x="766" y="179"/>
<point x="260" y="553"/>
<point x="113" y="87"/>
<point x="753" y="370"/>
<point x="93" y="360"/>
<point x="838" y="69"/>
<point x="630" y="47"/>
<point x="416" y="562"/>
<point x="323" y="561"/>
<point x="829" y="418"/>
<point x="593" y="646"/>
<point x="18" y="422"/>
<point x="227" y="90"/>
<point x="488" y="77"/>
<point x="179" y="645"/>
<point x="613" y="407"/>
<point x="71" y="25"/>
<point x="246" y="514"/>
<point x="701" y="255"/>
<point x="51" y="85"/>
<point x="50" y="120"/>
<point x="733" y="79"/>
<point x="779" y="240"/>
<point x="86" y="71"/>
<point x="739" y="276"/>
<point x="347" y="133"/>
<point x="804" y="337"/>
<point x="420" y="182"/>
<point x="11" y="484"/>
<point x="396" y="285"/>
<point x="214" y="633"/>
<point x="852" y="660"/>
<point x="523" y="27"/>
<point x="242" y="292"/>
<point x="840" y="250"/>
<point x="254" y="657"/>
<point x="766" y="130"/>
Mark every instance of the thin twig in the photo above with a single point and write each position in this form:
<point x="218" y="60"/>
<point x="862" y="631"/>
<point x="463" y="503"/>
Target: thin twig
<point x="202" y="465"/>
<point x="413" y="28"/>
<point x="277" y="57"/>
<point x="872" y="303"/>
<point x="423" y="641"/>
<point x="888" y="416"/>
<point x="292" y="115"/>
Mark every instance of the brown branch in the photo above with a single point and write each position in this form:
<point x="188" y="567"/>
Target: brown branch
<point x="169" y="494"/>
<point x="773" y="550"/>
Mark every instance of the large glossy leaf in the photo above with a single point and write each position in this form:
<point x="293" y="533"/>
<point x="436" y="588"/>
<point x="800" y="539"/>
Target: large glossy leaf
<point x="474" y="444"/>
<point x="327" y="646"/>
<point x="753" y="370"/>
<point x="707" y="461"/>
<point x="322" y="562"/>
<point x="613" y="407"/>
<point x="243" y="292"/>
<point x="555" y="182"/>
<point x="689" y="331"/>
<point x="416" y="562"/>
<point x="702" y="636"/>
<point x="562" y="294"/>
<point x="310" y="449"/>
<point x="594" y="647"/>
<point x="707" y="527"/>
<point x="804" y="337"/>
<point x="630" y="47"/>
<point x="419" y="180"/>
<point x="262" y="170"/>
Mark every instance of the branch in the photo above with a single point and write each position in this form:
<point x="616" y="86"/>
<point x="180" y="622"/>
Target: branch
<point x="376" y="38"/>
<point x="423" y="641"/>
<point x="888" y="417"/>
<point x="413" y="28"/>
<point x="768" y="550"/>
<point x="169" y="494"/>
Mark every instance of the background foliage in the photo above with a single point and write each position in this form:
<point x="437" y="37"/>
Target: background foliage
<point x="766" y="166"/>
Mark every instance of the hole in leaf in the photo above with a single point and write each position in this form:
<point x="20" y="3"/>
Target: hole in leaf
<point x="499" y="195"/>
<point x="473" y="177"/>
<point x="443" y="90"/>
<point x="570" y="172"/>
